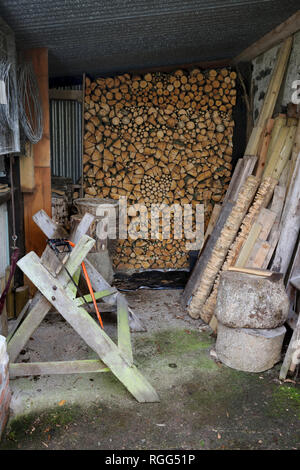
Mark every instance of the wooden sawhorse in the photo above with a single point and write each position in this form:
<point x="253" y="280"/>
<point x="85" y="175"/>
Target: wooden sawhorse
<point x="55" y="289"/>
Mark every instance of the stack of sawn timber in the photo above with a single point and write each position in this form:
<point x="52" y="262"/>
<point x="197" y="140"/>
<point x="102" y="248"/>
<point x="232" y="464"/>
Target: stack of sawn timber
<point x="258" y="223"/>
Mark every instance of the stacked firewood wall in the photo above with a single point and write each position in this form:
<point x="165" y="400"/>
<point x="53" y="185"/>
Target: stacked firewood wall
<point x="159" y="138"/>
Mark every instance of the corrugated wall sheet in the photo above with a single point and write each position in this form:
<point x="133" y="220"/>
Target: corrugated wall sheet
<point x="66" y="137"/>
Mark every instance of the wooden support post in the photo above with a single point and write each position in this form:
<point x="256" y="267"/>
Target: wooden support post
<point x="124" y="341"/>
<point x="41" y="197"/>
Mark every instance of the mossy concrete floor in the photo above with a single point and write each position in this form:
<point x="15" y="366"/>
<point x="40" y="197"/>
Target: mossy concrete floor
<point x="203" y="404"/>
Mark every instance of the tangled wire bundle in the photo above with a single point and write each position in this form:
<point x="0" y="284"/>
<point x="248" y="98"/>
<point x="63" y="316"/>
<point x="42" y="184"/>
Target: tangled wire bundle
<point x="9" y="108"/>
<point x="30" y="106"/>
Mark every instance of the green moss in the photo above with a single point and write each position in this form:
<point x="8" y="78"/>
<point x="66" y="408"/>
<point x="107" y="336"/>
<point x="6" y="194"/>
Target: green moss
<point x="34" y="427"/>
<point x="285" y="398"/>
<point x="175" y="341"/>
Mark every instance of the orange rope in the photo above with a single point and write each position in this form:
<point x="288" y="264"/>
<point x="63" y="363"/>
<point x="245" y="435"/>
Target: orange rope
<point x="90" y="288"/>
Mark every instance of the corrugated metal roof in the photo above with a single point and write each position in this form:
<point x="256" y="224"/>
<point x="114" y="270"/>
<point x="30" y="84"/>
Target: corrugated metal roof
<point x="118" y="35"/>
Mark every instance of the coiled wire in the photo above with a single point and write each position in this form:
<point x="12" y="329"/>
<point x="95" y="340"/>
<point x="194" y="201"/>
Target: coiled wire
<point x="30" y="108"/>
<point x="9" y="108"/>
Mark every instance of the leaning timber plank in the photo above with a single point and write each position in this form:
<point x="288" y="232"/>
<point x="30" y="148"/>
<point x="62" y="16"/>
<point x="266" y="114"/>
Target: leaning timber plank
<point x="88" y="329"/>
<point x="212" y="221"/>
<point x="206" y="253"/>
<point x="273" y="240"/>
<point x="276" y="151"/>
<point x="291" y="289"/>
<point x="279" y="122"/>
<point x="41" y="306"/>
<point x="278" y="200"/>
<point x="19" y="320"/>
<point x="289" y="353"/>
<point x="99" y="283"/>
<point x="275" y="82"/>
<point x="124" y="340"/>
<point x="295" y="281"/>
<point x="248" y="245"/>
<point x="62" y="367"/>
<point x="285" y="152"/>
<point x="47" y="225"/>
<point x="260" y="252"/>
<point x="249" y="163"/>
<point x="98" y="295"/>
<point x="234" y="180"/>
<point x="264" y="148"/>
<point x="270" y="97"/>
<point x="295" y="152"/>
<point x="290" y="224"/>
<point x="82" y="227"/>
<point x="266" y="218"/>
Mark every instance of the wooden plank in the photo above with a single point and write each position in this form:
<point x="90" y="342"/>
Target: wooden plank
<point x="234" y="179"/>
<point x="98" y="295"/>
<point x="278" y="200"/>
<point x="73" y="95"/>
<point x="99" y="283"/>
<point x="259" y="254"/>
<point x="262" y="158"/>
<point x="18" y="321"/>
<point x="266" y="218"/>
<point x="88" y="329"/>
<point x="249" y="163"/>
<point x="61" y="367"/>
<point x="40" y="306"/>
<point x="276" y="150"/>
<point x="295" y="152"/>
<point x="212" y="221"/>
<point x="289" y="353"/>
<point x="271" y="39"/>
<point x="285" y="153"/>
<point x="289" y="225"/>
<point x="248" y="245"/>
<point x="124" y="340"/>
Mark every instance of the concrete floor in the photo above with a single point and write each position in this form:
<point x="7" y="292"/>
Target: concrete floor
<point x="203" y="404"/>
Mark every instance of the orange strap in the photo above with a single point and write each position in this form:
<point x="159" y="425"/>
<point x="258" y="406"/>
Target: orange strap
<point x="90" y="288"/>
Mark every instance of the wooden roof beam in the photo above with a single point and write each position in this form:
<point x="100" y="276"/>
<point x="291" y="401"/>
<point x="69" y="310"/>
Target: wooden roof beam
<point x="271" y="39"/>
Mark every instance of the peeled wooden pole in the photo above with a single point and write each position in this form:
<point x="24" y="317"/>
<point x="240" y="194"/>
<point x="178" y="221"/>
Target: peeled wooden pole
<point x="228" y="233"/>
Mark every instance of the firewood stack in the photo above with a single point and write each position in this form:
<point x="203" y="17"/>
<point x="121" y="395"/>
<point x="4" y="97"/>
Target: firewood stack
<point x="159" y="138"/>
